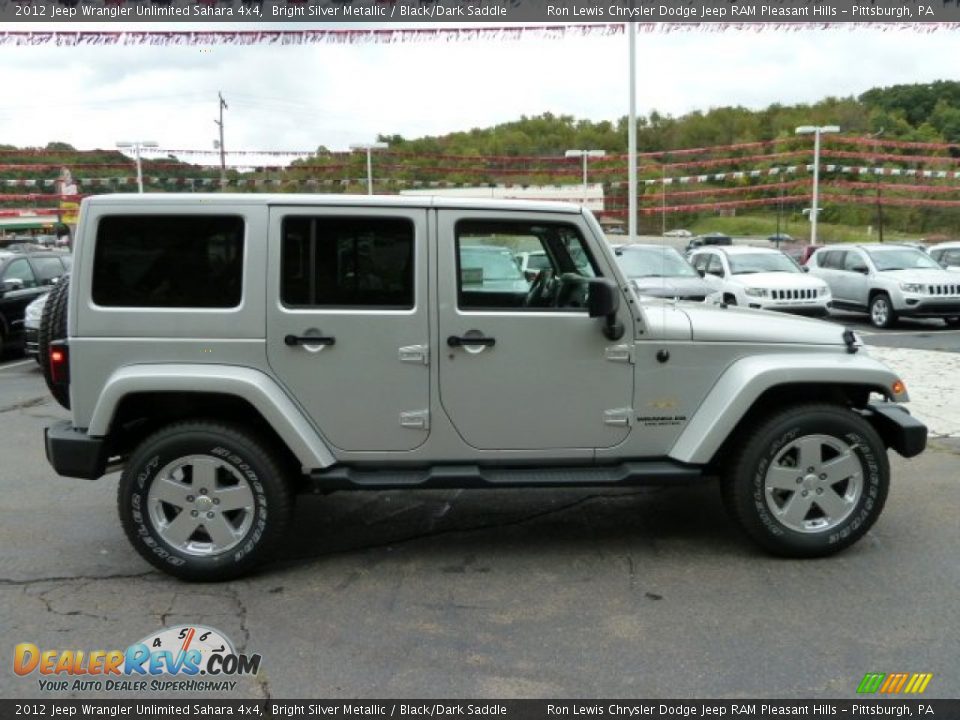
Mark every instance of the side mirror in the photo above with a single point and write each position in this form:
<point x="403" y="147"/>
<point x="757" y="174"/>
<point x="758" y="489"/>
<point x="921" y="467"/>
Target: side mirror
<point x="603" y="300"/>
<point x="10" y="285"/>
<point x="862" y="269"/>
<point x="701" y="272"/>
<point x="804" y="268"/>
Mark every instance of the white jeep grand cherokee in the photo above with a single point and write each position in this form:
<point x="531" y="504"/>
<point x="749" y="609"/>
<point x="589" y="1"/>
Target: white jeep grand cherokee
<point x="762" y="278"/>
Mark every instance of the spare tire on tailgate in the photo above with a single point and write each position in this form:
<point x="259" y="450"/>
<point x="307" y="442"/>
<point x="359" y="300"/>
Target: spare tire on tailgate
<point x="53" y="326"/>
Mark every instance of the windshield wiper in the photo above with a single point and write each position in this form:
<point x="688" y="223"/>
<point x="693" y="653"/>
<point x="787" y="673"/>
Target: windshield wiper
<point x="746" y="272"/>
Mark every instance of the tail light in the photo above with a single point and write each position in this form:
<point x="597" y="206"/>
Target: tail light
<point x="59" y="362"/>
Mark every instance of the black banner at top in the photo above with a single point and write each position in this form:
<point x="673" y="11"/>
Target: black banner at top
<point x="267" y="13"/>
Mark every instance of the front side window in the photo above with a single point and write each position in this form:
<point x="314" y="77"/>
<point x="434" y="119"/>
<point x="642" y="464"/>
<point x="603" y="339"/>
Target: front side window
<point x="488" y="275"/>
<point x="950" y="258"/>
<point x="853" y="261"/>
<point x="715" y="266"/>
<point x="20" y="270"/>
<point x="348" y="262"/>
<point x="169" y="261"/>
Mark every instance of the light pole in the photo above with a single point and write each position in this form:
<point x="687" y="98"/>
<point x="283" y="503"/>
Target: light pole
<point x="137" y="145"/>
<point x="585" y="154"/>
<point x="370" y="147"/>
<point x="816" y="130"/>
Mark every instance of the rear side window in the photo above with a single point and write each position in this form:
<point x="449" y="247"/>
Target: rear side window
<point x="831" y="259"/>
<point x="347" y="262"/>
<point x="169" y="261"/>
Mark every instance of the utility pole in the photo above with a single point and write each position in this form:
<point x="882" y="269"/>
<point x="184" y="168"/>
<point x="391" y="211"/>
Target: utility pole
<point x="632" y="135"/>
<point x="223" y="152"/>
<point x="137" y="146"/>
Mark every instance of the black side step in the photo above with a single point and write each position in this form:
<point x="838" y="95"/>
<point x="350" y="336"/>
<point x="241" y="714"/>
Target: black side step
<point x="653" y="472"/>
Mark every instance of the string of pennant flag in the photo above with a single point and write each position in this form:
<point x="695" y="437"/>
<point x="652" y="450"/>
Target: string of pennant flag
<point x="207" y="182"/>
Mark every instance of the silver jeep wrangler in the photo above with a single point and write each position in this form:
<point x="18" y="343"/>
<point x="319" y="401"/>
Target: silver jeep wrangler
<point x="230" y="351"/>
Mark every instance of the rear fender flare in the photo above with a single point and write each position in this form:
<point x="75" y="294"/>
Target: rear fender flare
<point x="257" y="388"/>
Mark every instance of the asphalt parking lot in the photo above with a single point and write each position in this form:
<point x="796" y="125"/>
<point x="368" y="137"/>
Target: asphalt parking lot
<point x="540" y="593"/>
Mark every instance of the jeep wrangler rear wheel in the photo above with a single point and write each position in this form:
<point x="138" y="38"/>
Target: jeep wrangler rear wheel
<point x="204" y="501"/>
<point x="809" y="481"/>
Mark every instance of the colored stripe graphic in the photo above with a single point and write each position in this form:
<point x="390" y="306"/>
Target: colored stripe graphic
<point x="871" y="682"/>
<point x="894" y="683"/>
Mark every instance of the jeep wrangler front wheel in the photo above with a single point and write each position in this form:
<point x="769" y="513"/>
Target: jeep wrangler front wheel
<point x="204" y="501"/>
<point x="809" y="481"/>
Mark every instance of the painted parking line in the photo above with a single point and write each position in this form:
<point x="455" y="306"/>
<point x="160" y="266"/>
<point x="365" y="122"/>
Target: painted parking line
<point x="16" y="364"/>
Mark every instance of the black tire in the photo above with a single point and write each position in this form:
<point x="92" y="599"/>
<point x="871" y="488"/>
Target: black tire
<point x="730" y="299"/>
<point x="882" y="320"/>
<point x="748" y="500"/>
<point x="952" y="322"/>
<point x="53" y="326"/>
<point x="236" y="451"/>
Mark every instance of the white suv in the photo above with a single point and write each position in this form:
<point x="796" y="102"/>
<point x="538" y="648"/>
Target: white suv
<point x="762" y="278"/>
<point x="888" y="281"/>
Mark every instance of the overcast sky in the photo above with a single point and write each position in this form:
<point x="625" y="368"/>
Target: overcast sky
<point x="300" y="97"/>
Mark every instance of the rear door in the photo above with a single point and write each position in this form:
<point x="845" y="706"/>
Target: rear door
<point x="532" y="371"/>
<point x="347" y="321"/>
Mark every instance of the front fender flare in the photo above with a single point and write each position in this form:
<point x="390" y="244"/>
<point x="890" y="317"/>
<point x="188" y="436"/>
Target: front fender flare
<point x="255" y="387"/>
<point x="739" y="387"/>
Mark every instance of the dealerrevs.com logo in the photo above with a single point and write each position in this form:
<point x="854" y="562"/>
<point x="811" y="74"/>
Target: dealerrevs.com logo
<point x="181" y="658"/>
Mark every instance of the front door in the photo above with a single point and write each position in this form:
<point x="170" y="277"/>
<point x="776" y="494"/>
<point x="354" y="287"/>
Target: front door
<point x="347" y="323"/>
<point x="523" y="366"/>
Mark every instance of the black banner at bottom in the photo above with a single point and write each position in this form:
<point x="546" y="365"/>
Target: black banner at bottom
<point x="481" y="709"/>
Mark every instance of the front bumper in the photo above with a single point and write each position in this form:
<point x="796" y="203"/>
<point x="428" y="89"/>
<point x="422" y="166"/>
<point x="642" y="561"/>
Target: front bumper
<point x="898" y="428"/>
<point x="73" y="453"/>
<point x="929" y="307"/>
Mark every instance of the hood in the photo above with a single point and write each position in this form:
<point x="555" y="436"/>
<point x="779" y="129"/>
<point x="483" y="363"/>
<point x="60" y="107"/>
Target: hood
<point x="713" y="323"/>
<point x="670" y="287"/>
<point x="779" y="280"/>
<point x="933" y="276"/>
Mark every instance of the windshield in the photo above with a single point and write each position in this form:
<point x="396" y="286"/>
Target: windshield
<point x="494" y="264"/>
<point x="761" y="263"/>
<point x="901" y="259"/>
<point x="654" y="262"/>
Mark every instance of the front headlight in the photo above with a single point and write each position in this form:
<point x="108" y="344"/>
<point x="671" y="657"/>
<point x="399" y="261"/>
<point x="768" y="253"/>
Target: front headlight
<point x="824" y="291"/>
<point x="34" y="312"/>
<point x="757" y="292"/>
<point x="911" y="287"/>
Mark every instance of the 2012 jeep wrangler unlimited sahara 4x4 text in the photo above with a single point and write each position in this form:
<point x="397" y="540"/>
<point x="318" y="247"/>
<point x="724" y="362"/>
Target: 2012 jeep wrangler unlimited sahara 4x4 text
<point x="231" y="351"/>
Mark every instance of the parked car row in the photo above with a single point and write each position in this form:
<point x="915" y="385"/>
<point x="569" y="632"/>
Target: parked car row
<point x="886" y="281"/>
<point x="24" y="277"/>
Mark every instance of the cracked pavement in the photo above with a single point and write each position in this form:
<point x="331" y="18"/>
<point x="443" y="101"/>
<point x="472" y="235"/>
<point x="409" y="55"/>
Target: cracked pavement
<point x="562" y="593"/>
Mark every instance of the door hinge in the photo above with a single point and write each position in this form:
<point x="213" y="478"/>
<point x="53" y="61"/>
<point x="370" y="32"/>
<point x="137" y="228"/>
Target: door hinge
<point x="619" y="353"/>
<point x="618" y="417"/>
<point x="415" y="419"/>
<point x="419" y="354"/>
